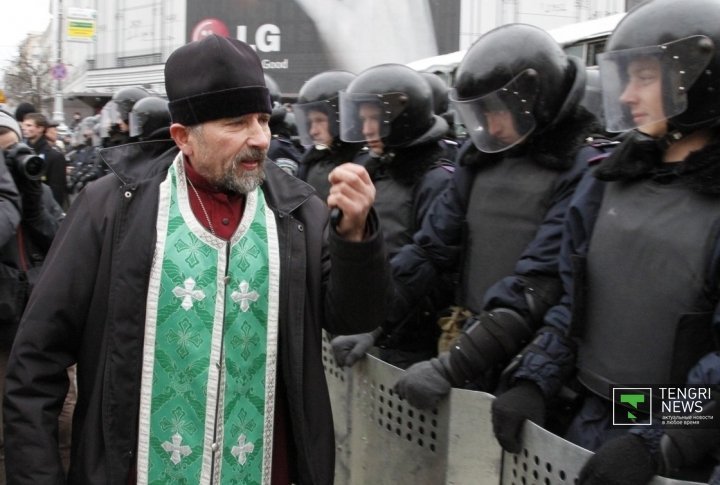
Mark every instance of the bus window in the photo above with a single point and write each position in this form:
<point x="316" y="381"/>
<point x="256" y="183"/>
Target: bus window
<point x="593" y="49"/>
<point x="577" y="50"/>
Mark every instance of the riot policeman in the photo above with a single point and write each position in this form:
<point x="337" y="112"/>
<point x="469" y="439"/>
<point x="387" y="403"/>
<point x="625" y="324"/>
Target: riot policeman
<point x="84" y="163"/>
<point x="317" y="113"/>
<point x="640" y="255"/>
<point x="283" y="150"/>
<point x="389" y="107"/>
<point x="149" y="119"/>
<point x="115" y="115"/>
<point x="499" y="223"/>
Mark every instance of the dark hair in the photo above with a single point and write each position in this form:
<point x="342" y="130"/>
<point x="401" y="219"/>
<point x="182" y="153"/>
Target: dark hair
<point x="39" y="119"/>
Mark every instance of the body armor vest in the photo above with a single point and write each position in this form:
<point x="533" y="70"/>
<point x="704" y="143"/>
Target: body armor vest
<point x="507" y="204"/>
<point x="647" y="319"/>
<point x="317" y="175"/>
<point x="394" y="204"/>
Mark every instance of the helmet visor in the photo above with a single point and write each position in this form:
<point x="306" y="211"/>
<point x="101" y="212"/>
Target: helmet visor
<point x="316" y="120"/>
<point x="368" y="116"/>
<point x="135" y="123"/>
<point x="501" y="119"/>
<point x="109" y="116"/>
<point x="645" y="85"/>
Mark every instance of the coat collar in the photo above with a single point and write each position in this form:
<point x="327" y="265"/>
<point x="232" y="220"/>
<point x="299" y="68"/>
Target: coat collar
<point x="135" y="162"/>
<point x="639" y="157"/>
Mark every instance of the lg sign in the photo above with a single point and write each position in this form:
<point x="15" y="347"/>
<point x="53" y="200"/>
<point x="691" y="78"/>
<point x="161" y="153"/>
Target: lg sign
<point x="267" y="36"/>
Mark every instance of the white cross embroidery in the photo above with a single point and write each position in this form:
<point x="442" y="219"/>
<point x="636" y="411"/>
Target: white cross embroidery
<point x="243" y="297"/>
<point x="188" y="293"/>
<point x="176" y="450"/>
<point x="242" y="449"/>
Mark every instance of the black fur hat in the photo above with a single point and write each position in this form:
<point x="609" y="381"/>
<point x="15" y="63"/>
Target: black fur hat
<point x="213" y="78"/>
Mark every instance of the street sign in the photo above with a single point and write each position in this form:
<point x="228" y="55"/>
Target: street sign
<point x="81" y="24"/>
<point x="58" y="72"/>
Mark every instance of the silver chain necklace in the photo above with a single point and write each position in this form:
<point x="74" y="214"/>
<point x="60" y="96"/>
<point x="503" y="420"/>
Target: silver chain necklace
<point x="202" y="206"/>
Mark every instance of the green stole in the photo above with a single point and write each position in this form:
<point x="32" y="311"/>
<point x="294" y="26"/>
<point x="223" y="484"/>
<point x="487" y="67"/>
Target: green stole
<point x="210" y="349"/>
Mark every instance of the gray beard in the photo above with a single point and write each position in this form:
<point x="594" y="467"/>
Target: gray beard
<point x="242" y="182"/>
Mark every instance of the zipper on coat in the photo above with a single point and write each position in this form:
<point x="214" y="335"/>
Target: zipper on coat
<point x="127" y="193"/>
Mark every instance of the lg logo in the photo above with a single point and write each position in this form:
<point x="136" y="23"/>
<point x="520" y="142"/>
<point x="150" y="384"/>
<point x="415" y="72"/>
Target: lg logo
<point x="267" y="36"/>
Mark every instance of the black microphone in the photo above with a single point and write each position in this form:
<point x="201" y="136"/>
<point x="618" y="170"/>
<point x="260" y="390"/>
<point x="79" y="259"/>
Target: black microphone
<point x="335" y="216"/>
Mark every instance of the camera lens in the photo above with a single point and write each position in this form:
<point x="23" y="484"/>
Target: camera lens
<point x="33" y="166"/>
<point x="23" y="161"/>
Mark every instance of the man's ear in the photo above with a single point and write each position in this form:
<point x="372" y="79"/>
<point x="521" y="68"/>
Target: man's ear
<point x="181" y="135"/>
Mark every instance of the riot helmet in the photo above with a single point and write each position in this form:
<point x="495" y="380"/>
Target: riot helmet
<point x="440" y="91"/>
<point x="115" y="115"/>
<point x="669" y="51"/>
<point x="149" y="115"/>
<point x="110" y="119"/>
<point x="317" y="111"/>
<point x="88" y="131"/>
<point x="394" y="103"/>
<point x="126" y="98"/>
<point x="592" y="99"/>
<point x="274" y="89"/>
<point x="282" y="122"/>
<point x="514" y="81"/>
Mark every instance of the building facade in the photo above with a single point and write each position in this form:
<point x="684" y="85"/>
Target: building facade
<point x="294" y="38"/>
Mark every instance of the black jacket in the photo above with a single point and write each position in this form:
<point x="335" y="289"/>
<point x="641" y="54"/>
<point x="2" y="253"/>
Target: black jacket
<point x="317" y="163"/>
<point x="10" y="205"/>
<point x="24" y="242"/>
<point x="54" y="169"/>
<point x="11" y="297"/>
<point x="89" y="308"/>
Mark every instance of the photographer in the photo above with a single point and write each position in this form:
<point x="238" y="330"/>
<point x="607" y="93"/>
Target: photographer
<point x="34" y="127"/>
<point x="29" y="218"/>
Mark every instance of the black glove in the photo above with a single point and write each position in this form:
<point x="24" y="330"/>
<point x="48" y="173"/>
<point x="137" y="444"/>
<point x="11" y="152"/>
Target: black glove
<point x="511" y="409"/>
<point x="684" y="447"/>
<point x="625" y="460"/>
<point x="348" y="349"/>
<point x="424" y="384"/>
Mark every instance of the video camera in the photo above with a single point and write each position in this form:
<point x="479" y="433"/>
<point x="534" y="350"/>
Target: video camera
<point x="22" y="160"/>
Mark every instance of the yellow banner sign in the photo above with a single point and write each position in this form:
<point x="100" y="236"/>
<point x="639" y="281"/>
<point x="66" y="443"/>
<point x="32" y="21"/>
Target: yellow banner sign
<point x="80" y="24"/>
<point x="81" y="29"/>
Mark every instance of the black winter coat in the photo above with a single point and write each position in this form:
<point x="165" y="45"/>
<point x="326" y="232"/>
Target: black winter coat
<point x="89" y="308"/>
<point x="54" y="169"/>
